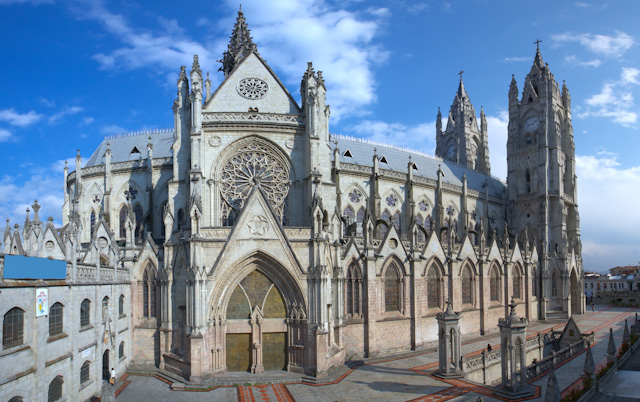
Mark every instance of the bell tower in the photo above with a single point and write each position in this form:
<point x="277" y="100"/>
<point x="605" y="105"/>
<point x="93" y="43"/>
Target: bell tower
<point x="542" y="183"/>
<point x="463" y="142"/>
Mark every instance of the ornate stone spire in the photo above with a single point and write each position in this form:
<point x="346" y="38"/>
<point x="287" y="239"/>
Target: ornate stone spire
<point x="240" y="45"/>
<point x="538" y="60"/>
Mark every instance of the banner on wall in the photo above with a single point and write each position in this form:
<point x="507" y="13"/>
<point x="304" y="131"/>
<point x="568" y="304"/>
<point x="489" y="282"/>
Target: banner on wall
<point x="42" y="302"/>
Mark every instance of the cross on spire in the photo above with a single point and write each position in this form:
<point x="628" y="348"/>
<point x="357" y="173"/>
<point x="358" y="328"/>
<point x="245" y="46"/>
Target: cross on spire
<point x="537" y="43"/>
<point x="460" y="74"/>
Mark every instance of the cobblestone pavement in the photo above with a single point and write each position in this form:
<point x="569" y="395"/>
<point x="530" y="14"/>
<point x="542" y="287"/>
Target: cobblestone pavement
<point x="405" y="378"/>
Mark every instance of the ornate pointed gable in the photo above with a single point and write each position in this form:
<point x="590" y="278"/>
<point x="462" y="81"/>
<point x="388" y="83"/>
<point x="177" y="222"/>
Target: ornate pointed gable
<point x="433" y="248"/>
<point x="53" y="244"/>
<point x="467" y="251"/>
<point x="258" y="230"/>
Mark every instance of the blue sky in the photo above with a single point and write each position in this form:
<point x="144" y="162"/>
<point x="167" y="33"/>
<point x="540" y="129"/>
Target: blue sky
<point x="75" y="71"/>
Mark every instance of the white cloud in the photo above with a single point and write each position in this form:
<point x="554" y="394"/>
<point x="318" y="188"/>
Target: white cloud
<point x="67" y="111"/>
<point x="497" y="128"/>
<point x="46" y="102"/>
<point x="87" y="120"/>
<point x="112" y="129"/>
<point x="630" y="75"/>
<point x="418" y="7"/>
<point x="616" y="100"/>
<point x="5" y="135"/>
<point x="16" y="119"/>
<point x="509" y="59"/>
<point x="340" y="43"/>
<point x="601" y="177"/>
<point x="574" y="61"/>
<point x="409" y="136"/>
<point x="609" y="46"/>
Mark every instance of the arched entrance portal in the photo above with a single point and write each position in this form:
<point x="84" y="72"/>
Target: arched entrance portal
<point x="256" y="316"/>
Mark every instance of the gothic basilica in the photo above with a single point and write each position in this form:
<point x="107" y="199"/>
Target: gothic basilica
<point x="251" y="239"/>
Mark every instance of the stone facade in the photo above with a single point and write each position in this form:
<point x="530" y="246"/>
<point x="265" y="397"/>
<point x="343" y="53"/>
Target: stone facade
<point x="270" y="243"/>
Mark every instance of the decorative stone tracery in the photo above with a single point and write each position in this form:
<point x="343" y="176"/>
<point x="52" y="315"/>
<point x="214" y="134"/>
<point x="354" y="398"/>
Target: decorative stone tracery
<point x="252" y="88"/>
<point x="253" y="164"/>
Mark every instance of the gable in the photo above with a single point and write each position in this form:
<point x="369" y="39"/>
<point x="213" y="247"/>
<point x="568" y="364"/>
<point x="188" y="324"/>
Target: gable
<point x="228" y="97"/>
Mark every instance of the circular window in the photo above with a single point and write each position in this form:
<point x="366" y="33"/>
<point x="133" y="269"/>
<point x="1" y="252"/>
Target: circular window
<point x="252" y="165"/>
<point x="49" y="246"/>
<point x="252" y="88"/>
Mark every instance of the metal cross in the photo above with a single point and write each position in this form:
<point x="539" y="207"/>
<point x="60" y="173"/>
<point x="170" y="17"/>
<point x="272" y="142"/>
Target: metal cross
<point x="460" y="74"/>
<point x="537" y="43"/>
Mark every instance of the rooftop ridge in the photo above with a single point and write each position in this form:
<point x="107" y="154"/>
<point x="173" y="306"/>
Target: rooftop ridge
<point x="405" y="149"/>
<point x="141" y="132"/>
<point x="382" y="144"/>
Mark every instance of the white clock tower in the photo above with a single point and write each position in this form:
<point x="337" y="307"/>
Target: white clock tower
<point x="542" y="187"/>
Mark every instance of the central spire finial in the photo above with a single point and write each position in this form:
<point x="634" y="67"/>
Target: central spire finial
<point x="240" y="45"/>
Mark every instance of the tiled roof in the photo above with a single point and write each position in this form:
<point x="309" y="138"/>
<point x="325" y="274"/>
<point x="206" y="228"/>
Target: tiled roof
<point x="362" y="152"/>
<point x="122" y="145"/>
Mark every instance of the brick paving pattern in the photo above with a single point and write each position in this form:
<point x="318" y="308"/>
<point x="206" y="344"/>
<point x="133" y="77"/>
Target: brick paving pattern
<point x="406" y="378"/>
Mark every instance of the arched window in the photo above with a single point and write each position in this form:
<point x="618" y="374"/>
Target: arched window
<point x="420" y="233"/>
<point x="55" y="319"/>
<point x="16" y="399"/>
<point x="467" y="286"/>
<point x="121" y="305"/>
<point x="121" y="350"/>
<point x="123" y="221"/>
<point x="13" y="328"/>
<point x="353" y="284"/>
<point x="181" y="220"/>
<point x="517" y="283"/>
<point x="162" y="228"/>
<point x="433" y="288"/>
<point x="105" y="307"/>
<point x="84" y="372"/>
<point x="427" y="224"/>
<point x="348" y="218"/>
<point x="93" y="222"/>
<point x="145" y="295"/>
<point x="139" y="214"/>
<point x="382" y="229"/>
<point x="396" y="220"/>
<point x="360" y="216"/>
<point x="494" y="284"/>
<point x="149" y="293"/>
<point x="534" y="283"/>
<point x="392" y="291"/>
<point x="554" y="284"/>
<point x="55" y="389"/>
<point x="85" y="313"/>
<point x="528" y="181"/>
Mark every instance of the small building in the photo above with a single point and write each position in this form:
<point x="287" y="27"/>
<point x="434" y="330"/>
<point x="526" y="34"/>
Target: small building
<point x="61" y="336"/>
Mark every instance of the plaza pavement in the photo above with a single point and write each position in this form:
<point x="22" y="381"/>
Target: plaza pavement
<point x="403" y="378"/>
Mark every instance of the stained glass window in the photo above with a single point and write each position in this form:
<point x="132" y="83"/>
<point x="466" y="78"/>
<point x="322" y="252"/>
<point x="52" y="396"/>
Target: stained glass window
<point x="517" y="283"/>
<point x="396" y="220"/>
<point x="467" y="295"/>
<point x="392" y="289"/>
<point x="494" y="285"/>
<point x="348" y="215"/>
<point x="353" y="284"/>
<point x="420" y="232"/>
<point x="433" y="288"/>
<point x="123" y="220"/>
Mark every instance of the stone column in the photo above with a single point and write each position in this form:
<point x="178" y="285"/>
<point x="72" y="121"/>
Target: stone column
<point x="257" y="366"/>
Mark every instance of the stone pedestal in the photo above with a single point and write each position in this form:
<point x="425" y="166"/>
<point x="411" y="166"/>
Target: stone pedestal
<point x="449" y="343"/>
<point x="513" y="335"/>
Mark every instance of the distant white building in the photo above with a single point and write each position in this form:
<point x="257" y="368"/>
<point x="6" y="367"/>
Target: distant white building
<point x="608" y="288"/>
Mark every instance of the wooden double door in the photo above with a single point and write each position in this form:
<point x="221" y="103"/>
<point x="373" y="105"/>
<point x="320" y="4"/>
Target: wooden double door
<point x="274" y="351"/>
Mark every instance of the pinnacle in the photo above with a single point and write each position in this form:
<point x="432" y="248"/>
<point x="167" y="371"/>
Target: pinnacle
<point x="240" y="45"/>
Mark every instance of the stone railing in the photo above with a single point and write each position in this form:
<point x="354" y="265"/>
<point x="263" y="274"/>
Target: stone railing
<point x="220" y="233"/>
<point x="539" y="367"/>
<point x="87" y="273"/>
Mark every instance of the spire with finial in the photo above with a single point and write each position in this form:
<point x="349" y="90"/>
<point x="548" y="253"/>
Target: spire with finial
<point x="538" y="60"/>
<point x="461" y="91"/>
<point x="240" y="45"/>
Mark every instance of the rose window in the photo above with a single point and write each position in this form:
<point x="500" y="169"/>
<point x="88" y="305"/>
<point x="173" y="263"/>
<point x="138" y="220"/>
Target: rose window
<point x="250" y="166"/>
<point x="252" y="88"/>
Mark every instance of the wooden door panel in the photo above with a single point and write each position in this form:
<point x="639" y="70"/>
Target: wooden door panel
<point x="238" y="352"/>
<point x="274" y="350"/>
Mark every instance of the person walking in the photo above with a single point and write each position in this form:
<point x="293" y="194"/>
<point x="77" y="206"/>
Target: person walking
<point x="592" y="307"/>
<point x="112" y="380"/>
